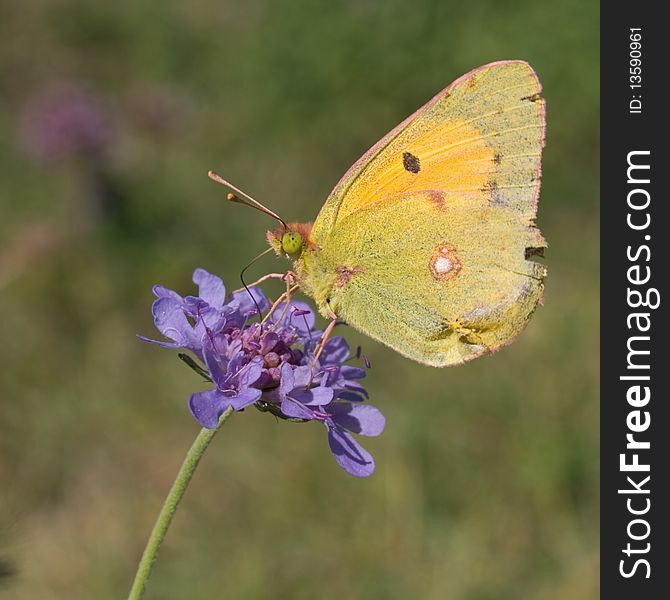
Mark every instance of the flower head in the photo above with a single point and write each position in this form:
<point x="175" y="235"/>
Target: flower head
<point x="66" y="121"/>
<point x="271" y="364"/>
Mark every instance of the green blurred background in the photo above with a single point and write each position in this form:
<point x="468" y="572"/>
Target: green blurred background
<point x="111" y="114"/>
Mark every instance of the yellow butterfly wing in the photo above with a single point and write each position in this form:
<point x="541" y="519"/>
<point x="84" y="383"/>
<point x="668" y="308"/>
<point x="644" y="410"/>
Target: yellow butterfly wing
<point x="424" y="243"/>
<point x="441" y="286"/>
<point x="481" y="137"/>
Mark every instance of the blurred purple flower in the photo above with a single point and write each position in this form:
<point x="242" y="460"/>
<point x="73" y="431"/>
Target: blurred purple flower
<point x="269" y="364"/>
<point x="66" y="121"/>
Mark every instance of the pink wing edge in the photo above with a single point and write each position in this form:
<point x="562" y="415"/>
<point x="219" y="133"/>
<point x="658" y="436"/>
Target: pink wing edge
<point x="365" y="158"/>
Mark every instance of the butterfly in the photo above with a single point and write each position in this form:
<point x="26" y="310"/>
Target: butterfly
<point x="427" y="243"/>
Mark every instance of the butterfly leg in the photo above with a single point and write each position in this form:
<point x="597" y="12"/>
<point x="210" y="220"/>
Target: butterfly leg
<point x="285" y="297"/>
<point x="291" y="287"/>
<point x="324" y="338"/>
<point x="265" y="278"/>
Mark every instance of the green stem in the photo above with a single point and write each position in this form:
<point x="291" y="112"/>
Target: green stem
<point x="170" y="506"/>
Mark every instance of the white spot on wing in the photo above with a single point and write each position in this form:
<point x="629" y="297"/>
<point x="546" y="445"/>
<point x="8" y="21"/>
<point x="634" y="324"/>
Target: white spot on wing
<point x="443" y="265"/>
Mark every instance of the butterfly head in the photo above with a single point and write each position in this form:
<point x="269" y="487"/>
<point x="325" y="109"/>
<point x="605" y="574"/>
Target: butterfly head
<point x="291" y="243"/>
<point x="290" y="240"/>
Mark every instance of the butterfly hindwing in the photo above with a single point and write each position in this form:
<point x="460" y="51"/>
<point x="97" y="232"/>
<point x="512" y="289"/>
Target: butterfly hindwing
<point x="411" y="274"/>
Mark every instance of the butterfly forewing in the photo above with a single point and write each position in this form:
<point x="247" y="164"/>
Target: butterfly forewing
<point x="480" y="137"/>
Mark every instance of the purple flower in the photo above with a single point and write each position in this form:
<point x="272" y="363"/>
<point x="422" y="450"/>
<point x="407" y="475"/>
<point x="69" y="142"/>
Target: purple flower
<point x="268" y="363"/>
<point x="66" y="121"/>
<point x="186" y="320"/>
<point x="233" y="381"/>
<point x="341" y="376"/>
<point x="339" y="417"/>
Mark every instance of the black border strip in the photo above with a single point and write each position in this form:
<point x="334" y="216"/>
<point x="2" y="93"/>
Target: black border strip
<point x="635" y="502"/>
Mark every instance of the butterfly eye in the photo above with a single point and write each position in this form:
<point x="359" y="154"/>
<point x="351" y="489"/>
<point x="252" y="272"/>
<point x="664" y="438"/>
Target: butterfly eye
<point x="291" y="242"/>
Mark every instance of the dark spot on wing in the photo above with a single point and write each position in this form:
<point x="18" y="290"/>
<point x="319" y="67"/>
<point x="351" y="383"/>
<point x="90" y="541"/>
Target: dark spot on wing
<point x="437" y="198"/>
<point x="497" y="158"/>
<point x="533" y="98"/>
<point x="345" y="274"/>
<point x="410" y="162"/>
<point x="490" y="186"/>
<point x="530" y="252"/>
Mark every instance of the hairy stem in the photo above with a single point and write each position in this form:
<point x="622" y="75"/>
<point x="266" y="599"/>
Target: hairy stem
<point x="170" y="506"/>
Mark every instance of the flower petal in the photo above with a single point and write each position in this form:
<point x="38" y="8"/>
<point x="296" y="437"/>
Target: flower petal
<point x="302" y="322"/>
<point x="317" y="396"/>
<point x="295" y="409"/>
<point x="207" y="407"/>
<point x="336" y="351"/>
<point x="244" y="398"/>
<point x="301" y="316"/>
<point x="302" y="376"/>
<point x="203" y="314"/>
<point x="216" y="363"/>
<point x="349" y="396"/>
<point x="356" y="388"/>
<point x="171" y="321"/>
<point x="171" y="345"/>
<point x="210" y="288"/>
<point x="358" y="418"/>
<point x="163" y="292"/>
<point x="348" y="372"/>
<point x="245" y="303"/>
<point x="250" y="373"/>
<point x="286" y="380"/>
<point x="349" y="454"/>
<point x="268" y="342"/>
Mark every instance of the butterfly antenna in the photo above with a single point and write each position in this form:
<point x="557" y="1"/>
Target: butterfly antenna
<point x="253" y="260"/>
<point x="246" y="199"/>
